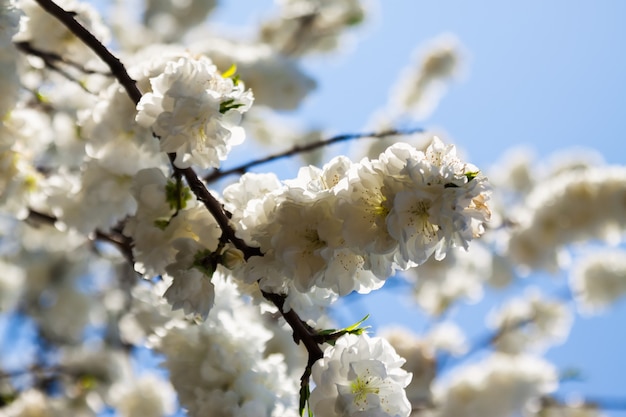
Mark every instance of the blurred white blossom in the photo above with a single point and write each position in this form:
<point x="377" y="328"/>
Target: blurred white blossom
<point x="599" y="279"/>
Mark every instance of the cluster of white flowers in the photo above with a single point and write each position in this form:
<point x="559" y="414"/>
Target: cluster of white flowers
<point x="22" y="136"/>
<point x="168" y="19"/>
<point x="305" y="26"/>
<point x="147" y="396"/>
<point x="176" y="235"/>
<point x="437" y="284"/>
<point x="421" y="86"/>
<point x="497" y="386"/>
<point x="530" y="322"/>
<point x="220" y="367"/>
<point x="348" y="226"/>
<point x="599" y="279"/>
<point x="360" y="375"/>
<point x="571" y="207"/>
<point x="85" y="170"/>
<point x="195" y="111"/>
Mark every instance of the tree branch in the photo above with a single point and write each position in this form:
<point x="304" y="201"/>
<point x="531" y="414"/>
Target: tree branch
<point x="116" y="66"/>
<point x="116" y="238"/>
<point x="51" y="58"/>
<point x="297" y="149"/>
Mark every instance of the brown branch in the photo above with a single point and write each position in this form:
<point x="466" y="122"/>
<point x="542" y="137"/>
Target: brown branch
<point x="116" y="66"/>
<point x="216" y="209"/>
<point x="116" y="238"/>
<point x="51" y="58"/>
<point x="298" y="149"/>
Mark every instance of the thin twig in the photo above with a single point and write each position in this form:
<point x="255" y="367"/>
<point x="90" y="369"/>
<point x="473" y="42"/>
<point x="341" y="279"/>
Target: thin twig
<point x="50" y="61"/>
<point x="116" y="238"/>
<point x="602" y="403"/>
<point x="298" y="149"/>
<point x="50" y="58"/>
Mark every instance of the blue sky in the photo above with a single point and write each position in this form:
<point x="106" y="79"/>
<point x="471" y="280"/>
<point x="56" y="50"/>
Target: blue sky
<point x="546" y="74"/>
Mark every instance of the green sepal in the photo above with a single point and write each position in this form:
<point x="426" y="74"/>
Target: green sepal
<point x="161" y="223"/>
<point x="326" y="332"/>
<point x="354" y="329"/>
<point x="471" y="175"/>
<point x="177" y="195"/>
<point x="330" y="336"/>
<point x="229" y="105"/>
<point x="204" y="261"/>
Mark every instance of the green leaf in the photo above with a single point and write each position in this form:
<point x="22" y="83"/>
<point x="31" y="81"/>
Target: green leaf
<point x="229" y="105"/>
<point x="471" y="175"/>
<point x="177" y="195"/>
<point x="203" y="261"/>
<point x="326" y="332"/>
<point x="305" y="393"/>
<point x="230" y="72"/>
<point x="351" y="329"/>
<point x="161" y="223"/>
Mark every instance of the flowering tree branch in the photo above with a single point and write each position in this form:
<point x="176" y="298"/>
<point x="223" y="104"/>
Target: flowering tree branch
<point x="301" y="330"/>
<point x="89" y="169"/>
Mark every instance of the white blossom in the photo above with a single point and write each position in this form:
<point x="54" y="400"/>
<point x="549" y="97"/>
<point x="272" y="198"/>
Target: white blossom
<point x="530" y="321"/>
<point x="549" y="407"/>
<point x="171" y="19"/>
<point x="307" y="26"/>
<point x="358" y="376"/>
<point x="422" y="84"/>
<point x="599" y="279"/>
<point x="569" y="208"/>
<point x="499" y="385"/>
<point x="408" y="205"/>
<point x="157" y="222"/>
<point x="146" y="396"/>
<point x="219" y="367"/>
<point x="195" y="111"/>
<point x="191" y="289"/>
<point x="438" y="284"/>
